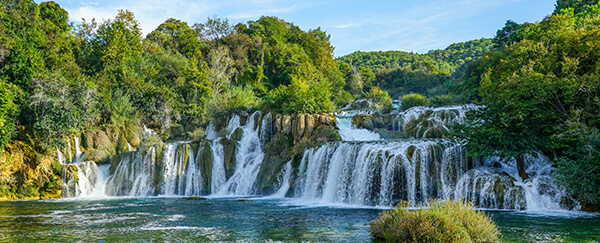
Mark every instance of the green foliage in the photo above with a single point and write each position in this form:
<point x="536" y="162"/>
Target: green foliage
<point x="412" y="100"/>
<point x="450" y="221"/>
<point x="507" y="35"/>
<point x="234" y="99"/>
<point x="441" y="100"/>
<point x="304" y="95"/>
<point x="577" y="6"/>
<point x="9" y="95"/>
<point x="61" y="108"/>
<point x="380" y="98"/>
<point x="578" y="166"/>
<point x="400" y="73"/>
<point x="121" y="108"/>
<point x="176" y="35"/>
<point x="541" y="95"/>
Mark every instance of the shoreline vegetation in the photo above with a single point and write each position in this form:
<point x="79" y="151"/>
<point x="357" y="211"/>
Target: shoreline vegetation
<point x="106" y="84"/>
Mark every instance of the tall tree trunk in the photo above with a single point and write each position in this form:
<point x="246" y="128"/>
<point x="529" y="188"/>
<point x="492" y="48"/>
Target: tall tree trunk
<point x="521" y="166"/>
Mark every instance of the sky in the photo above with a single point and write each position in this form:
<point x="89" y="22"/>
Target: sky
<point x="374" y="25"/>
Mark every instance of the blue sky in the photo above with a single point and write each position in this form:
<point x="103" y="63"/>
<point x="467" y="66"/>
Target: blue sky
<point x="354" y="25"/>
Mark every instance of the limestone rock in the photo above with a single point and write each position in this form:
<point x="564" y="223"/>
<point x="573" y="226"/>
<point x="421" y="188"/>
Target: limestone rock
<point x="286" y="123"/>
<point x="299" y="126"/>
<point x="310" y="124"/>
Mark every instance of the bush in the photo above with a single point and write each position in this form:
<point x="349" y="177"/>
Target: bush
<point x="232" y="100"/>
<point x="441" y="100"/>
<point x="450" y="221"/>
<point x="380" y="98"/>
<point x="577" y="167"/>
<point x="412" y="100"/>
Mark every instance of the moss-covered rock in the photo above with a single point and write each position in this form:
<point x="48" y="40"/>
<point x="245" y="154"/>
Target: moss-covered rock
<point x="277" y="154"/>
<point x="237" y="134"/>
<point x="204" y="160"/>
<point x="122" y="144"/>
<point x="229" y="151"/>
<point x="133" y="134"/>
<point x="99" y="156"/>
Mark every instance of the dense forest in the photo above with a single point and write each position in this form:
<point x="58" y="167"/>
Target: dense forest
<point x="538" y="84"/>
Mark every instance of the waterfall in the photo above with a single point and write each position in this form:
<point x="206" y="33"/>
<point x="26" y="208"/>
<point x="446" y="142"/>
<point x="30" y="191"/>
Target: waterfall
<point x="90" y="180"/>
<point x="417" y="170"/>
<point x="181" y="174"/>
<point x="134" y="175"/>
<point x="349" y="132"/>
<point x="374" y="173"/>
<point x="249" y="155"/>
<point x="285" y="180"/>
<point x="78" y="155"/>
<point x="60" y="156"/>
<point x="361" y="170"/>
<point x="428" y="122"/>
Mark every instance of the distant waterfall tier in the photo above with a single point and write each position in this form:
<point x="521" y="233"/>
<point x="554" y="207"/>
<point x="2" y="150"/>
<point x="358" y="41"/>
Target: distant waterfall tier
<point x="383" y="173"/>
<point x="349" y="132"/>
<point x="428" y="122"/>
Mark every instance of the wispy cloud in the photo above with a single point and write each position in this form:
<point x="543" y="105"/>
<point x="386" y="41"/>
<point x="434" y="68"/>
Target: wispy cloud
<point x="353" y="24"/>
<point x="345" y="26"/>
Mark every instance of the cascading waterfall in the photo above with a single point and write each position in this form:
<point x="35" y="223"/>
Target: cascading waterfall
<point x="375" y="173"/>
<point x="424" y="122"/>
<point x="361" y="170"/>
<point x="285" y="180"/>
<point x="90" y="180"/>
<point x="181" y="175"/>
<point x="349" y="132"/>
<point x="78" y="155"/>
<point x="249" y="156"/>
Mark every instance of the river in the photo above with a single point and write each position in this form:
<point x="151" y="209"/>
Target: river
<point x="231" y="219"/>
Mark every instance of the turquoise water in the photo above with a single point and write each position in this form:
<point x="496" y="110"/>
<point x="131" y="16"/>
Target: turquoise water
<point x="177" y="220"/>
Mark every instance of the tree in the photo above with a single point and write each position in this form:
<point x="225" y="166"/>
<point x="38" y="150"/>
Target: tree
<point x="578" y="6"/>
<point x="531" y="88"/>
<point x="9" y="95"/>
<point x="220" y="70"/>
<point x="213" y="30"/>
<point x="176" y="35"/>
<point x="507" y="35"/>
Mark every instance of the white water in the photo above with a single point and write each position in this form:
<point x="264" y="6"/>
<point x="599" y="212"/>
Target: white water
<point x="363" y="170"/>
<point x="91" y="180"/>
<point x="349" y="132"/>
<point x="285" y="180"/>
<point x="249" y="156"/>
<point x="439" y="118"/>
<point x="382" y="173"/>
<point x="78" y="155"/>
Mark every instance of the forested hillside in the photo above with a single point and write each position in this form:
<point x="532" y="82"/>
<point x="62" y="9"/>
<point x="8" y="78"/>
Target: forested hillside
<point x="434" y="73"/>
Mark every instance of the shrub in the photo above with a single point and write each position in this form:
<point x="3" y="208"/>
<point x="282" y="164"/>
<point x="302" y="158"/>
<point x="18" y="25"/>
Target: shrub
<point x="197" y="134"/>
<point x="441" y="100"/>
<point x="234" y="99"/>
<point x="450" y="221"/>
<point x="381" y="98"/>
<point x="412" y="100"/>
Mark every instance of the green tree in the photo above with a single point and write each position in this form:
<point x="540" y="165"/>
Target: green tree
<point x="9" y="95"/>
<point x="176" y="35"/>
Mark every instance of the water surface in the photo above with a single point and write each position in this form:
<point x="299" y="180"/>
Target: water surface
<point x="227" y="219"/>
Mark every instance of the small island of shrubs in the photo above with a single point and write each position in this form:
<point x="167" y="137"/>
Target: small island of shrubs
<point x="449" y="221"/>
